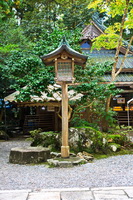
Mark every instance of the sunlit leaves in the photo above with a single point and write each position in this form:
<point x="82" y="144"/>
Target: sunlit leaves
<point x="114" y="28"/>
<point x="117" y="7"/>
<point x="94" y="4"/>
<point x="108" y="41"/>
<point x="111" y="7"/>
<point x="8" y="48"/>
<point x="115" y="32"/>
<point x="7" y="8"/>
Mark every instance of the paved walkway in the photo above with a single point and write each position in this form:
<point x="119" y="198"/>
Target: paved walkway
<point x="109" y="193"/>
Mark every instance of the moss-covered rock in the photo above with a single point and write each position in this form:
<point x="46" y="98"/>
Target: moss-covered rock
<point x="114" y="147"/>
<point x="82" y="139"/>
<point x="46" y="139"/>
<point x="3" y="135"/>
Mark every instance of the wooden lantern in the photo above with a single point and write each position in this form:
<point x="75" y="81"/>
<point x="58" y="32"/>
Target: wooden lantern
<point x="64" y="58"/>
<point x="64" y="69"/>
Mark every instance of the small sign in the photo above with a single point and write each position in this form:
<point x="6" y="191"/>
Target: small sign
<point x="50" y="108"/>
<point x="121" y="100"/>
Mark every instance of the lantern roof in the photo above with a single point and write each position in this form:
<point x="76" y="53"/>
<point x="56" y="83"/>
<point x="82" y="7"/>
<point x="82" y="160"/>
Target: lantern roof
<point x="64" y="47"/>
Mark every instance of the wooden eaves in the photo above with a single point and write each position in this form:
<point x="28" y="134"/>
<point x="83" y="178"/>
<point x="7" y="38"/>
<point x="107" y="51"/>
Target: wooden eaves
<point x="64" y="47"/>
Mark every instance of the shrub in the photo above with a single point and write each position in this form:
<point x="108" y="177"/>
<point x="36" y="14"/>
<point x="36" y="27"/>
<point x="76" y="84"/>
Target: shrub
<point x="82" y="139"/>
<point x="46" y="139"/>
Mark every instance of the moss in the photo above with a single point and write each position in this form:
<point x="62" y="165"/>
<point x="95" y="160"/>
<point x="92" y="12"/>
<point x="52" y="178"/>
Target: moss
<point x="67" y="159"/>
<point x="45" y="139"/>
<point x="89" y="140"/>
<point x="121" y="152"/>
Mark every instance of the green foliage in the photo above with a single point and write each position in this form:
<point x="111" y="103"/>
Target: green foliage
<point x="94" y="96"/>
<point x="45" y="139"/>
<point x="90" y="77"/>
<point x="76" y="14"/>
<point x="6" y="9"/>
<point x="120" y="135"/>
<point x="8" y="48"/>
<point x="25" y="69"/>
<point x="109" y="41"/>
<point x="77" y="121"/>
<point x="13" y="34"/>
<point x="89" y="140"/>
<point x="119" y="17"/>
<point x="97" y="138"/>
<point x="49" y="41"/>
<point x="12" y="41"/>
<point x="101" y="142"/>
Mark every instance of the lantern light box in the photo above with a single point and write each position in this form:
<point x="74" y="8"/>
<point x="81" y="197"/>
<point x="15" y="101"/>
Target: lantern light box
<point x="64" y="58"/>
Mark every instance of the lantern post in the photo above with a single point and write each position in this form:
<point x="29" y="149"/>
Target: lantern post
<point x="64" y="75"/>
<point x="65" y="146"/>
<point x="64" y="58"/>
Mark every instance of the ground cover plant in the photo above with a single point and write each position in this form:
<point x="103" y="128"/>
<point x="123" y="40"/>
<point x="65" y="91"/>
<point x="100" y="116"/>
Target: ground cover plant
<point x="87" y="139"/>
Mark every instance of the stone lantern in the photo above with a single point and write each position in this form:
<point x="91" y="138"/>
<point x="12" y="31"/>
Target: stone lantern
<point x="64" y="59"/>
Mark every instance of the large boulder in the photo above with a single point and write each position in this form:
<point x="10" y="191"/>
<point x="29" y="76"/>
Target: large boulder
<point x="28" y="155"/>
<point x="81" y="139"/>
<point x="87" y="138"/>
<point x="3" y="135"/>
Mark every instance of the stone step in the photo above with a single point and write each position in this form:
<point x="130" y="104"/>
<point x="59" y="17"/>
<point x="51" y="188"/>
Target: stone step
<point x="44" y="196"/>
<point x="109" y="193"/>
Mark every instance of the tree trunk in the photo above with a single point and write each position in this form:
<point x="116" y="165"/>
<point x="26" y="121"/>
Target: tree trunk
<point x="1" y="114"/>
<point x="116" y="72"/>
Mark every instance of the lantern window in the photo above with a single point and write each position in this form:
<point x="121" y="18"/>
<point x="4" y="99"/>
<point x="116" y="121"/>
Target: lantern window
<point x="64" y="72"/>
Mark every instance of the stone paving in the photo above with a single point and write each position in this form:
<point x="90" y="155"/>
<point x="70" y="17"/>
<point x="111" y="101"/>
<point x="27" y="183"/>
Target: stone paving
<point x="108" y="193"/>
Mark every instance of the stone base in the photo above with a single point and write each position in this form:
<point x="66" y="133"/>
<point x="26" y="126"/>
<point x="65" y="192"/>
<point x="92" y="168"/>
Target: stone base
<point x="65" y="162"/>
<point x="28" y="155"/>
<point x="64" y="151"/>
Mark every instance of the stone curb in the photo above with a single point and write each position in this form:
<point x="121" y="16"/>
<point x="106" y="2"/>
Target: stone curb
<point x="109" y="193"/>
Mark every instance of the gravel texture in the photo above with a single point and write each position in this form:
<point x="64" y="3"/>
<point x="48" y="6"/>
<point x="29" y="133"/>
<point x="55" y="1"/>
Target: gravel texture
<point x="113" y="171"/>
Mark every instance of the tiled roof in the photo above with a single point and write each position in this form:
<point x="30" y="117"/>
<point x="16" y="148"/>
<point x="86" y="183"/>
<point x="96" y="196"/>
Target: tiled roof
<point x="56" y="96"/>
<point x="100" y="23"/>
<point x="63" y="46"/>
<point x="108" y="55"/>
<point x="122" y="77"/>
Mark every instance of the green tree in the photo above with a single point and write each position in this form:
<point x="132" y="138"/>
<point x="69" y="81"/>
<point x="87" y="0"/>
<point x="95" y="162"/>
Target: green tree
<point x="39" y="16"/>
<point x="12" y="34"/>
<point x="113" y="37"/>
<point x="7" y="8"/>
<point x="76" y="14"/>
<point x="94" y="95"/>
<point x="30" y="77"/>
<point x="25" y="68"/>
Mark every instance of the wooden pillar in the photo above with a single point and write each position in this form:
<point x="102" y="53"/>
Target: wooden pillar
<point x="64" y="147"/>
<point x="56" y="123"/>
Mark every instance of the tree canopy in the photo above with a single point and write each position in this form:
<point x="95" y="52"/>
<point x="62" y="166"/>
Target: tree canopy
<point x="30" y="29"/>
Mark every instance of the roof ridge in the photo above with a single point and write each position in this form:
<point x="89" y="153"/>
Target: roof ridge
<point x="99" y="22"/>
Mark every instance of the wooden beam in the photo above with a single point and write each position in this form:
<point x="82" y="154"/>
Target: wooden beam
<point x="37" y="104"/>
<point x="127" y="91"/>
<point x="127" y="70"/>
<point x="123" y="83"/>
<point x="120" y="83"/>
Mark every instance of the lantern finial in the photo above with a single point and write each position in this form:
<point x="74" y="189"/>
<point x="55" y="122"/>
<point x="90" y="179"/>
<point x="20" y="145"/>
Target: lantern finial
<point x="64" y="42"/>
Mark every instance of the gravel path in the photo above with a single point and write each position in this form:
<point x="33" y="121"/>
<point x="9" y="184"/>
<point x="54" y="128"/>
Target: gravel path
<point x="113" y="171"/>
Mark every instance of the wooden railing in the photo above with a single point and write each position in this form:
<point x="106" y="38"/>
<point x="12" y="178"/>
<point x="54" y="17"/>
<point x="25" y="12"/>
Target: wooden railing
<point x="45" y="122"/>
